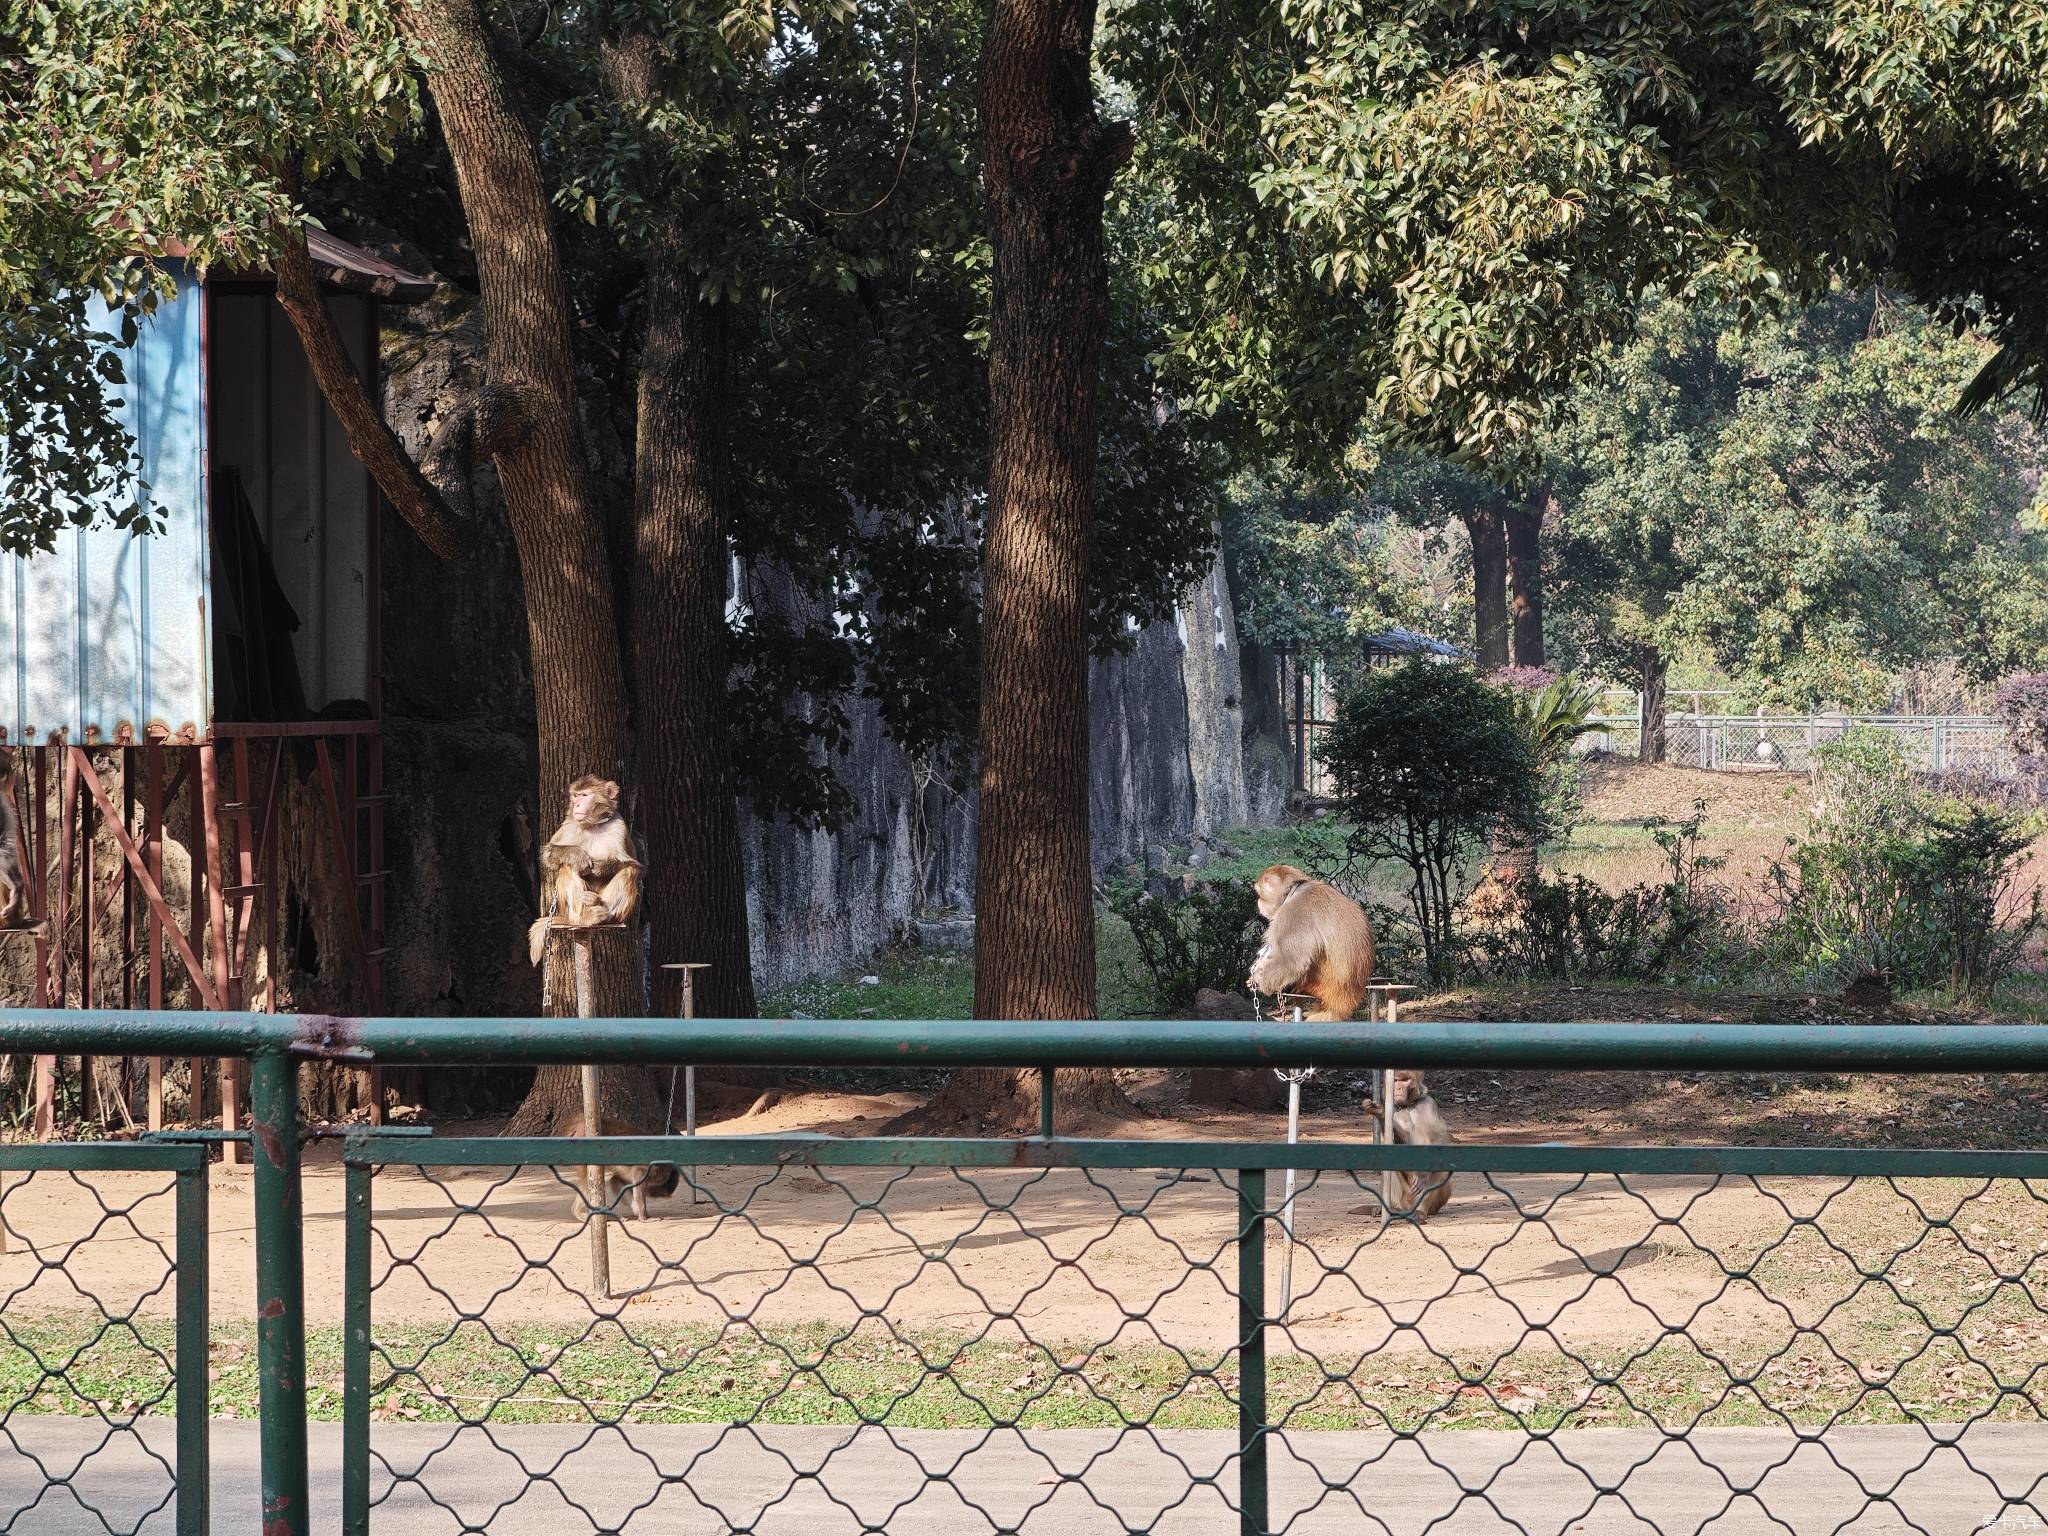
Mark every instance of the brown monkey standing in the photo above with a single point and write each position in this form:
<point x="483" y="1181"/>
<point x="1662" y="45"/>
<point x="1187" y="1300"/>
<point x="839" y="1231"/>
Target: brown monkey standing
<point x="588" y="871"/>
<point x="635" y="1180"/>
<point x="1419" y="1123"/>
<point x="1318" y="943"/>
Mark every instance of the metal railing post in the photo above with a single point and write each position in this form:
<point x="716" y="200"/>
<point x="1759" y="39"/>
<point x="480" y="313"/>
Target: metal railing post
<point x="1251" y="1364"/>
<point x="280" y="1294"/>
<point x="355" y="1353"/>
<point x="194" y="1326"/>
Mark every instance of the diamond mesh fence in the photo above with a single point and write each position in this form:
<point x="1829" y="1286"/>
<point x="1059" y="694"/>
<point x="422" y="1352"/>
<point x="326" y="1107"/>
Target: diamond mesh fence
<point x="102" y="1315"/>
<point x="1075" y="1337"/>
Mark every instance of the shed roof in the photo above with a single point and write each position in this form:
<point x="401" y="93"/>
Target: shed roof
<point x="342" y="265"/>
<point x="360" y="271"/>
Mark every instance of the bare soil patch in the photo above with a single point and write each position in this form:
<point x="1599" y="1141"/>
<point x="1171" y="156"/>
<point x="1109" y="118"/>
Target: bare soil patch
<point x="1622" y="790"/>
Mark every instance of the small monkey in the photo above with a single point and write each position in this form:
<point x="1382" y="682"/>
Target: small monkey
<point x="588" y="871"/>
<point x="638" y="1181"/>
<point x="1318" y="942"/>
<point x="14" y="908"/>
<point x="1419" y="1123"/>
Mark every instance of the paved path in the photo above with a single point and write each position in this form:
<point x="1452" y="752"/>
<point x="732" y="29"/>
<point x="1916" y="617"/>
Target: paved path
<point x="817" y="1481"/>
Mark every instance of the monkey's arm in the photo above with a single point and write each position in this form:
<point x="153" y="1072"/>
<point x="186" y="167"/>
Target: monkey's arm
<point x="567" y="849"/>
<point x="621" y="895"/>
<point x="1283" y="959"/>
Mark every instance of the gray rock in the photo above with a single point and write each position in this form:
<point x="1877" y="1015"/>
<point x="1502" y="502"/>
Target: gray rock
<point x="943" y="932"/>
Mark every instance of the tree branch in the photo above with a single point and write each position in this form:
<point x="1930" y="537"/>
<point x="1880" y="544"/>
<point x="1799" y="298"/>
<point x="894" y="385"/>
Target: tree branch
<point x="370" y="437"/>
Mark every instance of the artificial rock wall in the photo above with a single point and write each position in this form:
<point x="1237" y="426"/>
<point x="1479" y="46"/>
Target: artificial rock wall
<point x="1169" y="756"/>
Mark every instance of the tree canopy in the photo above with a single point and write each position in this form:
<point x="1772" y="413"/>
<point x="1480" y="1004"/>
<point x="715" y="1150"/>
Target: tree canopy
<point x="1798" y="504"/>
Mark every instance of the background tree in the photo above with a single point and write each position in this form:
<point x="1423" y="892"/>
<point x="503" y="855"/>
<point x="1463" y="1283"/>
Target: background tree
<point x="1316" y="566"/>
<point x="1432" y="767"/>
<point x="1798" y="505"/>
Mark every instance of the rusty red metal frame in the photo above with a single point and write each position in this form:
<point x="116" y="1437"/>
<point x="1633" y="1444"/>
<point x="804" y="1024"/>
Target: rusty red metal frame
<point x="236" y="800"/>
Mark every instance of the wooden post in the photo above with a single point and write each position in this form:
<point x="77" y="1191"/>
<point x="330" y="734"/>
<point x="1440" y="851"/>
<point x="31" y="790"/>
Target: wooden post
<point x="206" y="788"/>
<point x="89" y="1106"/>
<point x="1388" y="1182"/>
<point x="593" y="1176"/>
<point x="153" y="858"/>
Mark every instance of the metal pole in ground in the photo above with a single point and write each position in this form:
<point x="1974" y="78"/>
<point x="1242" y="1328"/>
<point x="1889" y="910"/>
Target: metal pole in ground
<point x="280" y="1294"/>
<point x="1388" y="1182"/>
<point x="1294" y="1078"/>
<point x="593" y="1125"/>
<point x="689" y="968"/>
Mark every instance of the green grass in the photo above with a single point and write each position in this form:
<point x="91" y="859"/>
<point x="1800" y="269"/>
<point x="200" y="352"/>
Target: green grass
<point x="913" y="983"/>
<point x="658" y="1373"/>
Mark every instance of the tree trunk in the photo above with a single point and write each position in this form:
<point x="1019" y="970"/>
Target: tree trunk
<point x="1655" y="667"/>
<point x="1524" y="526"/>
<point x="683" y="494"/>
<point x="1489" y="585"/>
<point x="370" y="437"/>
<point x="696" y="888"/>
<point x="526" y="420"/>
<point x="1047" y="162"/>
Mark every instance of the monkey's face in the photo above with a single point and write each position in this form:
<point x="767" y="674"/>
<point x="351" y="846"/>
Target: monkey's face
<point x="592" y="802"/>
<point x="1408" y="1089"/>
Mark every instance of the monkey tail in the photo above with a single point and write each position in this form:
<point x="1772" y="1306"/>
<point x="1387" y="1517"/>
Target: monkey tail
<point x="537" y="938"/>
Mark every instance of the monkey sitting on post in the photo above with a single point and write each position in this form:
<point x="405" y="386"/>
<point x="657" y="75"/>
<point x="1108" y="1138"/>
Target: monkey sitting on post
<point x="1318" y="943"/>
<point x="14" y="907"/>
<point x="1419" y="1123"/>
<point x="589" y="873"/>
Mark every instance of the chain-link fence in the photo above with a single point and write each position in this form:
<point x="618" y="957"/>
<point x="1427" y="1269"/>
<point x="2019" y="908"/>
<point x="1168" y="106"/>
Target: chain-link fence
<point x="103" y="1339"/>
<point x="1076" y="1336"/>
<point x="1935" y="743"/>
<point x="1046" y="1334"/>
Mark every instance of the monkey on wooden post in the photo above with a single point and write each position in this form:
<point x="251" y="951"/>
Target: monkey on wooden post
<point x="1318" y="943"/>
<point x="1419" y="1123"/>
<point x="588" y="871"/>
<point x="14" y="908"/>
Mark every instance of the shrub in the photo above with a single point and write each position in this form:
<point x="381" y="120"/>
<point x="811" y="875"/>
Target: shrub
<point x="1968" y="863"/>
<point x="1569" y="927"/>
<point x="1898" y="881"/>
<point x="2023" y="706"/>
<point x="1555" y="711"/>
<point x="1431" y="766"/>
<point x="1204" y="936"/>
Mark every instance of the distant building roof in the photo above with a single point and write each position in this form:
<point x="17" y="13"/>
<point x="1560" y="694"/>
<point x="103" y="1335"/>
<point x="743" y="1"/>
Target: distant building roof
<point x="1405" y="642"/>
<point x="348" y="267"/>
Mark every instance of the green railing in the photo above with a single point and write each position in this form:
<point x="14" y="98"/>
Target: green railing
<point x="103" y="1335"/>
<point x="1059" y="1334"/>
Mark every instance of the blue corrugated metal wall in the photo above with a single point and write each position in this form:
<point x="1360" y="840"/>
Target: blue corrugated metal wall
<point x="108" y="631"/>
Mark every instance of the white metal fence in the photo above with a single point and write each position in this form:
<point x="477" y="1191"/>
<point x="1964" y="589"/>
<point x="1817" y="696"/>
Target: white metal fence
<point x="1938" y="743"/>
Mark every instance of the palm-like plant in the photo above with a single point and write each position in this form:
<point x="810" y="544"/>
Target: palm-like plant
<point x="1557" y="714"/>
<point x="1553" y="711"/>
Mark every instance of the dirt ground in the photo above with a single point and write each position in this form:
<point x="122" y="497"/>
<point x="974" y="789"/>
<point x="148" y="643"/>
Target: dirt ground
<point x="1619" y="789"/>
<point x="1137" y="1256"/>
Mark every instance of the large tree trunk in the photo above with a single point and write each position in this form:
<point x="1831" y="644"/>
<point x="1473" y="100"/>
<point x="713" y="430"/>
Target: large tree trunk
<point x="683" y="493"/>
<point x="527" y="422"/>
<point x="1047" y="162"/>
<point x="1489" y="585"/>
<point x="1655" y="667"/>
<point x="696" y="890"/>
<point x="1524" y="526"/>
